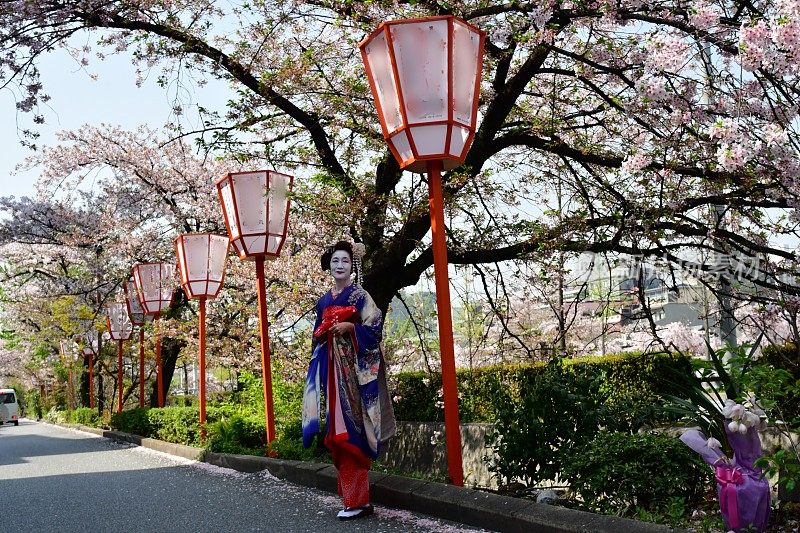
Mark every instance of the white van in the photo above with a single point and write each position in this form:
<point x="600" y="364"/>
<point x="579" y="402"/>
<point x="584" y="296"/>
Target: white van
<point x="9" y="408"/>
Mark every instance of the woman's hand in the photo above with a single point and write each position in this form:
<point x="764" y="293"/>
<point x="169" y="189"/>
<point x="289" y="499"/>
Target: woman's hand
<point x="340" y="328"/>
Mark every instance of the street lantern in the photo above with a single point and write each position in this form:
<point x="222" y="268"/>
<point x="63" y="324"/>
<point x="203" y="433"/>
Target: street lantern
<point x="67" y="349"/>
<point x="154" y="287"/>
<point x="201" y="263"/>
<point x="154" y="284"/>
<point x="120" y="330"/>
<point x="425" y="79"/>
<point x="256" y="210"/>
<point x="138" y="319"/>
<point x="89" y="342"/>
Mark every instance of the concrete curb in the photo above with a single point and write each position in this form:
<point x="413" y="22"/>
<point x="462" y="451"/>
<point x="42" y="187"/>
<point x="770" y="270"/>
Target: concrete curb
<point x="467" y="506"/>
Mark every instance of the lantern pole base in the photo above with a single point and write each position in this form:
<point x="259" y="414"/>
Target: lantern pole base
<point x="449" y="386"/>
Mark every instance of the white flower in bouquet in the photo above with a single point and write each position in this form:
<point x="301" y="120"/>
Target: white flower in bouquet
<point x="735" y="426"/>
<point x="751" y="419"/>
<point x="727" y="408"/>
<point x="714" y="444"/>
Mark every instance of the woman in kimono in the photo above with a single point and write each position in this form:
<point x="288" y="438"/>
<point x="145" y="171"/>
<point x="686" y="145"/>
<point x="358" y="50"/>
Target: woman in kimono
<point x="347" y="365"/>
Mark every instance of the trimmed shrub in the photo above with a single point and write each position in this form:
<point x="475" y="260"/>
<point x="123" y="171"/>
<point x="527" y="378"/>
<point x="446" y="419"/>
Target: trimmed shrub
<point x="235" y="426"/>
<point x="619" y="472"/>
<point x="559" y="410"/>
<point x="629" y="380"/>
<point x="543" y="412"/>
<point x="289" y="444"/>
<point x="176" y="424"/>
<point x="238" y="434"/>
<point x="86" y="416"/>
<point x="135" y="421"/>
<point x="787" y="358"/>
<point x="55" y="416"/>
<point x="180" y="425"/>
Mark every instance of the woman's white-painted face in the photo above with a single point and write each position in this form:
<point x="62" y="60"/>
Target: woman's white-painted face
<point x="341" y="265"/>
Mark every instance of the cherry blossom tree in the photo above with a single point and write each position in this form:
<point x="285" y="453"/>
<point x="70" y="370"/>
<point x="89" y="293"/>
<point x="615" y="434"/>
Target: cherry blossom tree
<point x="82" y="245"/>
<point x="668" y="127"/>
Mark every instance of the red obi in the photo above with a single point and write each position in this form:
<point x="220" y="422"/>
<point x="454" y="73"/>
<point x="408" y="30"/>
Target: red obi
<point x="332" y="315"/>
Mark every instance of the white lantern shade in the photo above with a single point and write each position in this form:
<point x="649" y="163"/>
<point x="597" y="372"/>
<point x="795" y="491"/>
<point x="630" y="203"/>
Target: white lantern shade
<point x="118" y="321"/>
<point x="135" y="310"/>
<point x="68" y="349"/>
<point x="154" y="283"/>
<point x="425" y="79"/>
<point x="256" y="209"/>
<point x="90" y="342"/>
<point x="201" y="263"/>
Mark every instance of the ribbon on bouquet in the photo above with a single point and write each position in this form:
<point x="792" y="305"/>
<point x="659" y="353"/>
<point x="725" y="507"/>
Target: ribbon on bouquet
<point x="729" y="478"/>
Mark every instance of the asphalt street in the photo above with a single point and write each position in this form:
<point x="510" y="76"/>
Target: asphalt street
<point x="56" y="479"/>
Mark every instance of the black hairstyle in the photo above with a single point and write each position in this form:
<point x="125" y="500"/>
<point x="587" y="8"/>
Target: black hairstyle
<point x="325" y="260"/>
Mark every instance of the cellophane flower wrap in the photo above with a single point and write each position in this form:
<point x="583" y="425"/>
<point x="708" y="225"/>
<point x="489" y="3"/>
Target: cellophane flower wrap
<point x="744" y="494"/>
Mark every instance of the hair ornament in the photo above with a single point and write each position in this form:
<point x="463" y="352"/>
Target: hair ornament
<point x="359" y="250"/>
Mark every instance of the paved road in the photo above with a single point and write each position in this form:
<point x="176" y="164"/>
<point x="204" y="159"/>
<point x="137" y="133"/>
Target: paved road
<point x="55" y="479"/>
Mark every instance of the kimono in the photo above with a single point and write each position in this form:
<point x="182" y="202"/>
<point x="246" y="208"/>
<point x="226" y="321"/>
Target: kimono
<point x="351" y="372"/>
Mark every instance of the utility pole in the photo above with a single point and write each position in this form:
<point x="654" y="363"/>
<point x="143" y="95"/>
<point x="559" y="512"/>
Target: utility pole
<point x="727" y="320"/>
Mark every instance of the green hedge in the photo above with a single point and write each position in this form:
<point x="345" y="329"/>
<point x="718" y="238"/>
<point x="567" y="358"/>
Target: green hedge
<point x="82" y="415"/>
<point x="632" y="380"/>
<point x="618" y="473"/>
<point x="172" y="424"/>
<point x="237" y="426"/>
<point x="234" y="422"/>
<point x="85" y="416"/>
<point x="787" y="358"/>
<point x="240" y="434"/>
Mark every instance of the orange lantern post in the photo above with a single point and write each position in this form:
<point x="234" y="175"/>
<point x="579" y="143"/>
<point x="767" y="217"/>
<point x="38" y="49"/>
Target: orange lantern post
<point x="138" y="319"/>
<point x="154" y="285"/>
<point x="120" y="330"/>
<point x="425" y="79"/>
<point x="89" y="340"/>
<point x="68" y="353"/>
<point x="256" y="209"/>
<point x="201" y="263"/>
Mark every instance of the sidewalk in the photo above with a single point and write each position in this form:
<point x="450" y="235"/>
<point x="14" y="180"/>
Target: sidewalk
<point x="467" y="506"/>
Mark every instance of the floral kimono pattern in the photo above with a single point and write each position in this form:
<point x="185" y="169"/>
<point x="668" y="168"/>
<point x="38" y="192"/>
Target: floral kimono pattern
<point x="358" y="409"/>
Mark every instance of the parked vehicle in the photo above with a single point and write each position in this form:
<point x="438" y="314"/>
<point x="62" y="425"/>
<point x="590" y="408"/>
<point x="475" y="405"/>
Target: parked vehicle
<point x="9" y="408"/>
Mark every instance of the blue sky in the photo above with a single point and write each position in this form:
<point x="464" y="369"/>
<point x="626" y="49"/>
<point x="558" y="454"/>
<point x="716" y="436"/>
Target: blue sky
<point x="77" y="99"/>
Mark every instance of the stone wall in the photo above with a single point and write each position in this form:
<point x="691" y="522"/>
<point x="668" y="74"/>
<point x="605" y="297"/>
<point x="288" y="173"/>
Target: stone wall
<point x="420" y="447"/>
